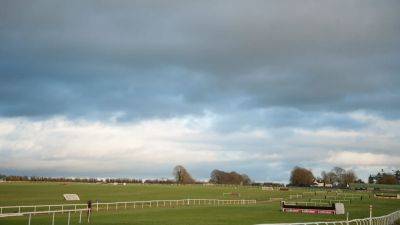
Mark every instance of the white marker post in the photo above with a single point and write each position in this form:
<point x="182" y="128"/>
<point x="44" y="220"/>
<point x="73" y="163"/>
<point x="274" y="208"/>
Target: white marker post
<point x="30" y="217"/>
<point x="52" y="221"/>
<point x="370" y="214"/>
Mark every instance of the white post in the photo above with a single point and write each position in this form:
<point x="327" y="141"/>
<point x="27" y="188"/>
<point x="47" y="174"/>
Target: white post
<point x="370" y="214"/>
<point x="30" y="217"/>
<point x="62" y="209"/>
<point x="80" y="216"/>
<point x="97" y="206"/>
<point x="52" y="221"/>
<point x="89" y="214"/>
<point x="116" y="206"/>
<point x="69" y="217"/>
<point x="347" y="218"/>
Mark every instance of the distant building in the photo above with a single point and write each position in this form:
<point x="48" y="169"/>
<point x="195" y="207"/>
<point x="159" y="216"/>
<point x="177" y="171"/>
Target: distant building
<point x="318" y="184"/>
<point x="321" y="184"/>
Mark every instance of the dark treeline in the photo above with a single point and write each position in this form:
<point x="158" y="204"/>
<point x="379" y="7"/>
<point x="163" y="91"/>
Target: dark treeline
<point x="123" y="180"/>
<point x="65" y="179"/>
<point x="181" y="176"/>
<point x="221" y="177"/>
<point x="337" y="177"/>
<point x="385" y="177"/>
<point x="267" y="184"/>
<point x="158" y="181"/>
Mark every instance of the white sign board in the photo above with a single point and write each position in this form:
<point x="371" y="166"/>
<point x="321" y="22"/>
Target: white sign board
<point x="267" y="188"/>
<point x="339" y="207"/>
<point x="71" y="197"/>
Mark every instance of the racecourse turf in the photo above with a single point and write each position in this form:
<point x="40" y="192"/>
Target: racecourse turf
<point x="265" y="211"/>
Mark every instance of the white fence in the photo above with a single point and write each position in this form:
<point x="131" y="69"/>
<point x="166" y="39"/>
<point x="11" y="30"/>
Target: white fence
<point x="53" y="213"/>
<point x="118" y="205"/>
<point x="308" y="203"/>
<point x="330" y="201"/>
<point x="380" y="220"/>
<point x="295" y="196"/>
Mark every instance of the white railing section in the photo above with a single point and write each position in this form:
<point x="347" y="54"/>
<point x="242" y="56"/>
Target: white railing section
<point x="118" y="205"/>
<point x="53" y="213"/>
<point x="389" y="219"/>
<point x="308" y="203"/>
<point x="295" y="196"/>
<point x="330" y="201"/>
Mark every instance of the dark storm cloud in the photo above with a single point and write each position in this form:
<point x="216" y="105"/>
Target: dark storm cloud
<point x="155" y="59"/>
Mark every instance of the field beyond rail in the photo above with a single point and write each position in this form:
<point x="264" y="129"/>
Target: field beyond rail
<point x="265" y="211"/>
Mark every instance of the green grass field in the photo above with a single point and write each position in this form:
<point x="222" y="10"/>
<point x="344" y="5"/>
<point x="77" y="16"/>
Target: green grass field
<point x="263" y="212"/>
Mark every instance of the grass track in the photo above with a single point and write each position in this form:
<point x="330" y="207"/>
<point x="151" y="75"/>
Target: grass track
<point x="51" y="193"/>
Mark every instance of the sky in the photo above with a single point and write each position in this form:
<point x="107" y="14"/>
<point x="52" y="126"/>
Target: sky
<point x="133" y="88"/>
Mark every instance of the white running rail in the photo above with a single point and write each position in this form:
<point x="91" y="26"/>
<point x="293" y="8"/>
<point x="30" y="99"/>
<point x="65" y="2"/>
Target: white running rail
<point x="121" y="205"/>
<point x="380" y="220"/>
<point x="53" y="213"/>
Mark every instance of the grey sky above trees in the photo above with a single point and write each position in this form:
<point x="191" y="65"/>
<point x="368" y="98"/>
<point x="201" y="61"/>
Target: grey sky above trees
<point x="105" y="88"/>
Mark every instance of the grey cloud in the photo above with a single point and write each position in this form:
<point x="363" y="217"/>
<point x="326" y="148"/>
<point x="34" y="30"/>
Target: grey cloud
<point x="152" y="59"/>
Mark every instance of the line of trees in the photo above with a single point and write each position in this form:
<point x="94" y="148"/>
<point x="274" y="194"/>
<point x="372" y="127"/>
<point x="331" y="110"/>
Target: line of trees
<point x="180" y="173"/>
<point x="65" y="179"/>
<point x="221" y="177"/>
<point x="337" y="177"/>
<point x="385" y="178"/>
<point x="182" y="176"/>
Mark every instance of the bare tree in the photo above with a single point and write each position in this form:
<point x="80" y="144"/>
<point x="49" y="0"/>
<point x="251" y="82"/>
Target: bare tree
<point x="340" y="176"/>
<point x="246" y="179"/>
<point x="339" y="172"/>
<point x="349" y="177"/>
<point x="301" y="177"/>
<point x="182" y="176"/>
<point x="328" y="177"/>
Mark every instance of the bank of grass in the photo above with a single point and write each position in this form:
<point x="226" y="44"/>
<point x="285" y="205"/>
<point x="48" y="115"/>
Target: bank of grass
<point x="264" y="212"/>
